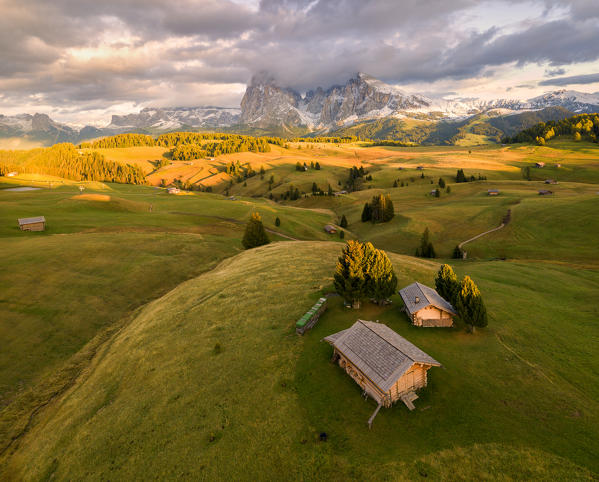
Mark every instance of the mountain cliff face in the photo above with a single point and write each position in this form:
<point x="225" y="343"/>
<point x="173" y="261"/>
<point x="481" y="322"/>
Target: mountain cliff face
<point x="363" y="97"/>
<point x="37" y="127"/>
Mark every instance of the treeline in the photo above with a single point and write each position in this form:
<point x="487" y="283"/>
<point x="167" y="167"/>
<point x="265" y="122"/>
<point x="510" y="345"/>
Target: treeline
<point x="389" y="142"/>
<point x="582" y="126"/>
<point x="187" y="152"/>
<point x="333" y="140"/>
<point x="64" y="160"/>
<point x="120" y="140"/>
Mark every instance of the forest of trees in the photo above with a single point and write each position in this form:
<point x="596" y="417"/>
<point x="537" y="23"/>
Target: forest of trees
<point x="334" y="140"/>
<point x="120" y="140"/>
<point x="582" y="126"/>
<point x="64" y="160"/>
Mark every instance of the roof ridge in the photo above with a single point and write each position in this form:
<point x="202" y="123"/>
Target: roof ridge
<point x="389" y="342"/>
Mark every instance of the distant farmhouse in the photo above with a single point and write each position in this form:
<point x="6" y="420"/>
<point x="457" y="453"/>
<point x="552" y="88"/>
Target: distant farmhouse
<point x="387" y="366"/>
<point x="493" y="192"/>
<point x="539" y="164"/>
<point x="544" y="192"/>
<point x="550" y="181"/>
<point x="329" y="228"/>
<point x="426" y="307"/>
<point x="173" y="190"/>
<point x="32" y="224"/>
<point x="12" y="174"/>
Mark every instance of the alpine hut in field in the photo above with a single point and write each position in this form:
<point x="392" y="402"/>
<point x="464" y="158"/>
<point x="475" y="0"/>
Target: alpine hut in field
<point x="387" y="366"/>
<point x="32" y="224"/>
<point x="426" y="307"/>
<point x="330" y="229"/>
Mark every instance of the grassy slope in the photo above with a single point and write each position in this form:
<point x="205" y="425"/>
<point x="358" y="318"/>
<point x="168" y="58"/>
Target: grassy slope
<point x="159" y="401"/>
<point x="101" y="257"/>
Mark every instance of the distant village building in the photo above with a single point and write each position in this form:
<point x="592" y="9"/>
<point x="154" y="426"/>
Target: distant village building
<point x="329" y="228"/>
<point x="558" y="165"/>
<point x="173" y="190"/>
<point x="420" y="168"/>
<point x="544" y="192"/>
<point x="433" y="192"/>
<point x="385" y="365"/>
<point x="425" y="307"/>
<point x="550" y="181"/>
<point x="32" y="224"/>
<point x="12" y="174"/>
<point x="539" y="164"/>
<point x="493" y="192"/>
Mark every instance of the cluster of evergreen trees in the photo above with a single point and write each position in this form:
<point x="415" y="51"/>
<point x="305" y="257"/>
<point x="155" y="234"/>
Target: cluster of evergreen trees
<point x="334" y="140"/>
<point x="364" y="271"/>
<point x="120" y="140"/>
<point x="187" y="152"/>
<point x="389" y="142"/>
<point x="464" y="296"/>
<point x="64" y="160"/>
<point x="582" y="126"/>
<point x="379" y="210"/>
<point x="356" y="178"/>
<point x="255" y="234"/>
<point x="461" y="177"/>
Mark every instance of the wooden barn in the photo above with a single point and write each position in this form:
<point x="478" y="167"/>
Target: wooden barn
<point x="32" y="224"/>
<point x="329" y="228"/>
<point x="493" y="192"/>
<point x="539" y="164"/>
<point x="426" y="307"/>
<point x="387" y="366"/>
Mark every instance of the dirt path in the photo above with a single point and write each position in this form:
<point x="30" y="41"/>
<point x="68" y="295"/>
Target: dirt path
<point x="481" y="234"/>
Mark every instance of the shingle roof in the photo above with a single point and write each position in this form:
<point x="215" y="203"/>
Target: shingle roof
<point x="378" y="352"/>
<point x="426" y="296"/>
<point x="38" y="219"/>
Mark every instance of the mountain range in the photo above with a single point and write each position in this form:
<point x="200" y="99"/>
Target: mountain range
<point x="362" y="106"/>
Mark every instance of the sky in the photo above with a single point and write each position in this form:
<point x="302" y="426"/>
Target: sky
<point x="80" y="61"/>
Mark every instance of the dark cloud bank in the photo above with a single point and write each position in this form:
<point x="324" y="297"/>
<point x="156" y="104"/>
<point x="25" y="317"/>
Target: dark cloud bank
<point x="159" y="50"/>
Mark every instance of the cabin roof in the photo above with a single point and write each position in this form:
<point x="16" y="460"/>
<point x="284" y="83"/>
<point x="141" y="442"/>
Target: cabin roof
<point x="38" y="219"/>
<point x="378" y="352"/>
<point x="426" y="296"/>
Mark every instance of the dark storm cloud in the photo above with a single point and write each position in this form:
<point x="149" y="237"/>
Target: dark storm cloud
<point x="143" y="50"/>
<point x="572" y="79"/>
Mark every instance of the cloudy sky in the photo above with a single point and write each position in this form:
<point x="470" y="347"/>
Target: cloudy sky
<point x="82" y="60"/>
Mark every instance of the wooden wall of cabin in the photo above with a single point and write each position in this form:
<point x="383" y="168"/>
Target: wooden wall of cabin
<point x="410" y="381"/>
<point x="432" y="317"/>
<point x="33" y="227"/>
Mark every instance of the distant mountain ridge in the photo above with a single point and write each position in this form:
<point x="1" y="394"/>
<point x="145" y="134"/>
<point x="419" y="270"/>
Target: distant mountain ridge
<point x="267" y="107"/>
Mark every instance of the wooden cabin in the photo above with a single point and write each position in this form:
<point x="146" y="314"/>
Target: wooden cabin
<point x="329" y="228"/>
<point x="550" y="181"/>
<point x="493" y="192"/>
<point x="539" y="164"/>
<point x="32" y="224"/>
<point x="544" y="192"/>
<point x="173" y="190"/>
<point x="385" y="365"/>
<point x="425" y="307"/>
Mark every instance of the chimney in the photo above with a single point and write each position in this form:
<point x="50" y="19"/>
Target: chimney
<point x="417" y="300"/>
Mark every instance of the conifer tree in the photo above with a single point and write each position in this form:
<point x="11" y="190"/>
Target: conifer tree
<point x="426" y="249"/>
<point x="254" y="235"/>
<point x="381" y="281"/>
<point x="395" y="183"/>
<point x="277" y="221"/>
<point x="317" y="166"/>
<point x="441" y="182"/>
<point x="343" y="222"/>
<point x="470" y="306"/>
<point x="349" y="276"/>
<point x="447" y="284"/>
<point x="366" y="213"/>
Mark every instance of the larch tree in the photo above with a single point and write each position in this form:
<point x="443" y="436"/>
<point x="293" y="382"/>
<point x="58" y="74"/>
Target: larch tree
<point x="349" y="279"/>
<point x="255" y="234"/>
<point x="343" y="222"/>
<point x="470" y="306"/>
<point x="381" y="281"/>
<point x="447" y="284"/>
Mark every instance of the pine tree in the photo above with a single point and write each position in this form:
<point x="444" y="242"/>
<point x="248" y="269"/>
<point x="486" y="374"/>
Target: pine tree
<point x="437" y="192"/>
<point x="343" y="222"/>
<point x="447" y="284"/>
<point x="330" y="191"/>
<point x="381" y="281"/>
<point x="395" y="183"/>
<point x="349" y="276"/>
<point x="341" y="234"/>
<point x="389" y="210"/>
<point x="441" y="182"/>
<point x="457" y="253"/>
<point x="460" y="176"/>
<point x="317" y="166"/>
<point x="470" y="306"/>
<point x="366" y="213"/>
<point x="426" y="249"/>
<point x="254" y="235"/>
<point x="277" y="221"/>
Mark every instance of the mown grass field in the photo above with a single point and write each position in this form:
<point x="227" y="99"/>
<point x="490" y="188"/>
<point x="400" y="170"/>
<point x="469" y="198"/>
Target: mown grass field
<point x="110" y="320"/>
<point x="160" y="400"/>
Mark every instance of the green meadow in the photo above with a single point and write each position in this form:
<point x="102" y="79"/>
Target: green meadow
<point x="139" y="339"/>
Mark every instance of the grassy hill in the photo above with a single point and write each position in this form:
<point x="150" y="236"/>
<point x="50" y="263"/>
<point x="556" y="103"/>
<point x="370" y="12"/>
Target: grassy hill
<point x="211" y="382"/>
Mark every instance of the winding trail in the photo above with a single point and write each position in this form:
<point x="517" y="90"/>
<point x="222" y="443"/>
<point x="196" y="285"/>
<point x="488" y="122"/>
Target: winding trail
<point x="481" y="234"/>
